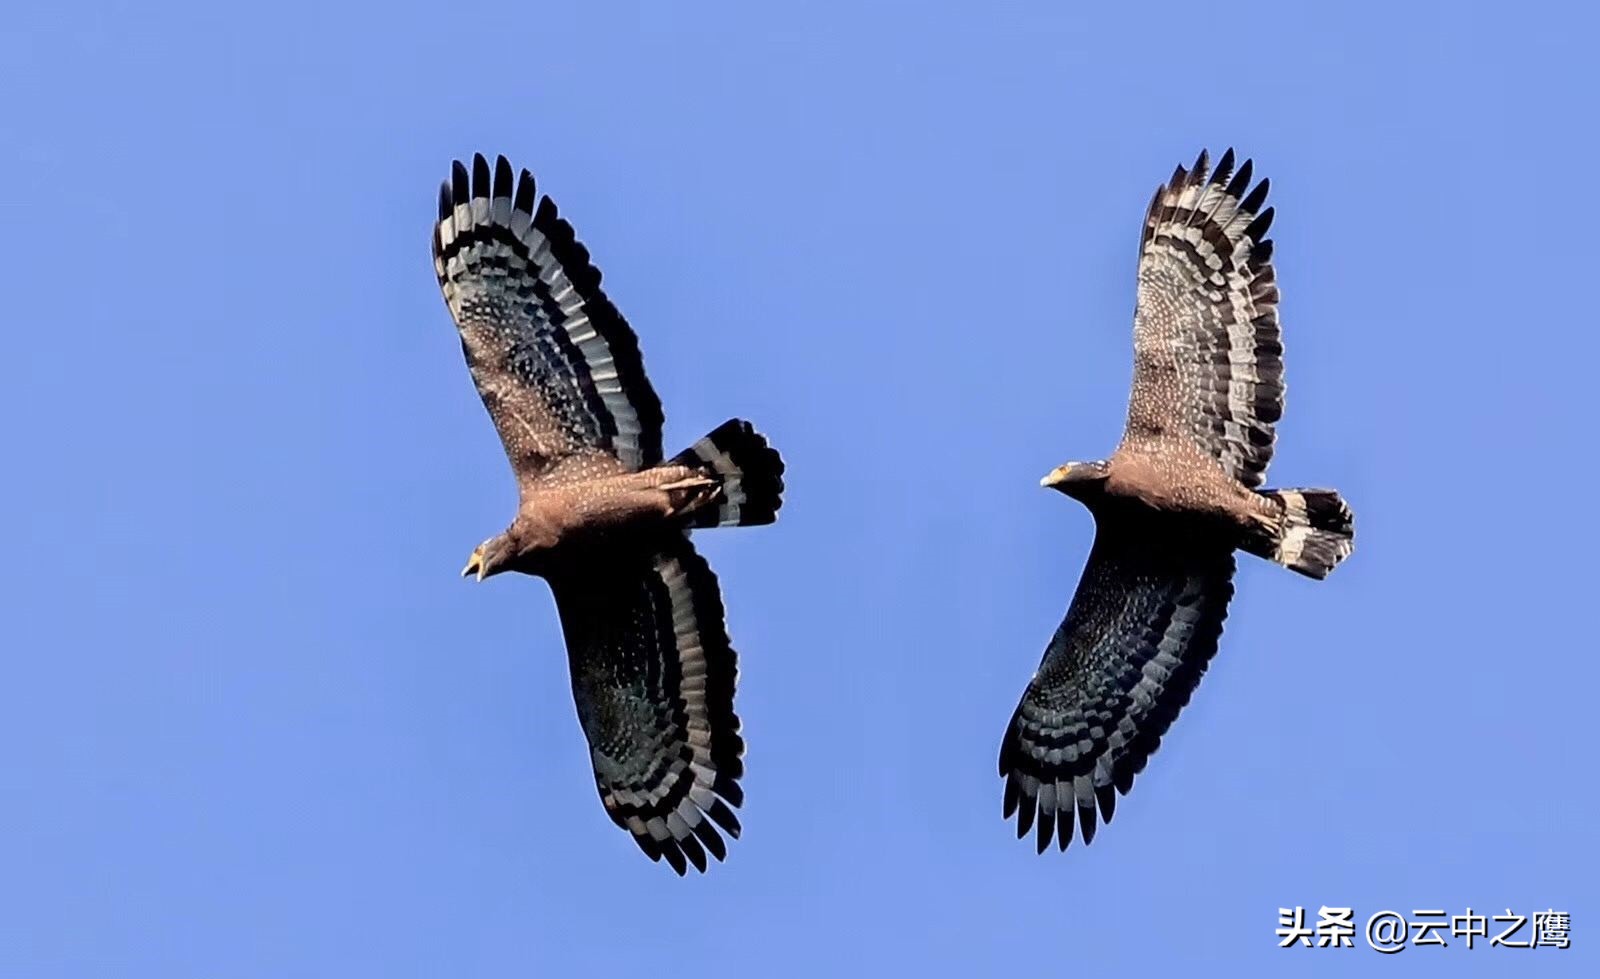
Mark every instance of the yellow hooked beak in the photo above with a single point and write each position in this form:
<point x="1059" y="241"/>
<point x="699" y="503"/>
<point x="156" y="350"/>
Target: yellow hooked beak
<point x="474" y="565"/>
<point x="1056" y="476"/>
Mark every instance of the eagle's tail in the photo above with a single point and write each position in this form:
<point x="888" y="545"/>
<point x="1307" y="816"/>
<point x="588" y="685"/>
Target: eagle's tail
<point x="748" y="471"/>
<point x="1315" y="532"/>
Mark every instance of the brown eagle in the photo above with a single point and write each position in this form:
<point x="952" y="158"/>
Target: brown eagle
<point x="601" y="517"/>
<point x="1170" y="506"/>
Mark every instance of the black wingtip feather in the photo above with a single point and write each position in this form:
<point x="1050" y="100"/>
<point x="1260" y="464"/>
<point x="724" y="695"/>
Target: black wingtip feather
<point x="1259" y="227"/>
<point x="1086" y="823"/>
<point x="726" y="787"/>
<point x="1047" y="829"/>
<point x="480" y="176"/>
<point x="1253" y="202"/>
<point x="1107" y="796"/>
<point x="502" y="177"/>
<point x="727" y="750"/>
<point x="1241" y="180"/>
<point x="694" y="851"/>
<point x="710" y="838"/>
<point x="527" y="189"/>
<point x="546" y="218"/>
<point x="1224" y="168"/>
<point x="725" y="818"/>
<point x="460" y="185"/>
<point x="674" y="856"/>
<point x="1123" y="777"/>
<point x="445" y="206"/>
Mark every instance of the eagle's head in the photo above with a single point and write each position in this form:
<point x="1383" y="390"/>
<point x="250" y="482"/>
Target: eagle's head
<point x="1079" y="480"/>
<point x="491" y="557"/>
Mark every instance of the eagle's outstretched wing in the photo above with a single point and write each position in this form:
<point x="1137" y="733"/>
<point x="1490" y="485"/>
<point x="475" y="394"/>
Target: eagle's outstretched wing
<point x="1141" y="628"/>
<point x="1208" y="355"/>
<point x="653" y="675"/>
<point x="554" y="362"/>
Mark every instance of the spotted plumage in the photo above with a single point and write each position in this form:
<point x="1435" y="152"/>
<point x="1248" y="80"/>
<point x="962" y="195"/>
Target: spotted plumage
<point x="601" y="517"/>
<point x="1172" y="504"/>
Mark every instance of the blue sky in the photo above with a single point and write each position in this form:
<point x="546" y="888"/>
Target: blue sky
<point x="253" y="725"/>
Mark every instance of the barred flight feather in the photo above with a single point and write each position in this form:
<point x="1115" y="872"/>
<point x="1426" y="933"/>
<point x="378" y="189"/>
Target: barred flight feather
<point x="557" y="366"/>
<point x="1142" y="627"/>
<point x="1207" y="342"/>
<point x="653" y="674"/>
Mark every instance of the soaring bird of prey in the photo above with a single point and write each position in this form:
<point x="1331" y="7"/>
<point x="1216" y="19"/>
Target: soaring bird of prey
<point x="601" y="517"/>
<point x="1171" y="505"/>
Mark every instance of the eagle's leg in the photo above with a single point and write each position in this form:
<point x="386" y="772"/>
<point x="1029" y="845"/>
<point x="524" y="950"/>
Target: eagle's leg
<point x="674" y="491"/>
<point x="684" y="496"/>
<point x="688" y="482"/>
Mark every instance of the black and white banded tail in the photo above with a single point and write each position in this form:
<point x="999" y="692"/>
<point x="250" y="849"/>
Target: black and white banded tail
<point x="748" y="471"/>
<point x="1316" y="531"/>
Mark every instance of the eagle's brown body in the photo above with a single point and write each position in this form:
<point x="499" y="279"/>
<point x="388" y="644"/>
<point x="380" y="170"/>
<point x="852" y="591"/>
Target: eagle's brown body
<point x="1194" y="486"/>
<point x="555" y="521"/>
<point x="1178" y="496"/>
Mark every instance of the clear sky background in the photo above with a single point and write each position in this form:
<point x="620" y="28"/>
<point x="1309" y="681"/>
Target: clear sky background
<point x="253" y="725"/>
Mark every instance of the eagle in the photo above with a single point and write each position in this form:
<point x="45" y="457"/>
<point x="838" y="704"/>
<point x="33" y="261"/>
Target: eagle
<point x="1178" y="496"/>
<point x="601" y="517"/>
